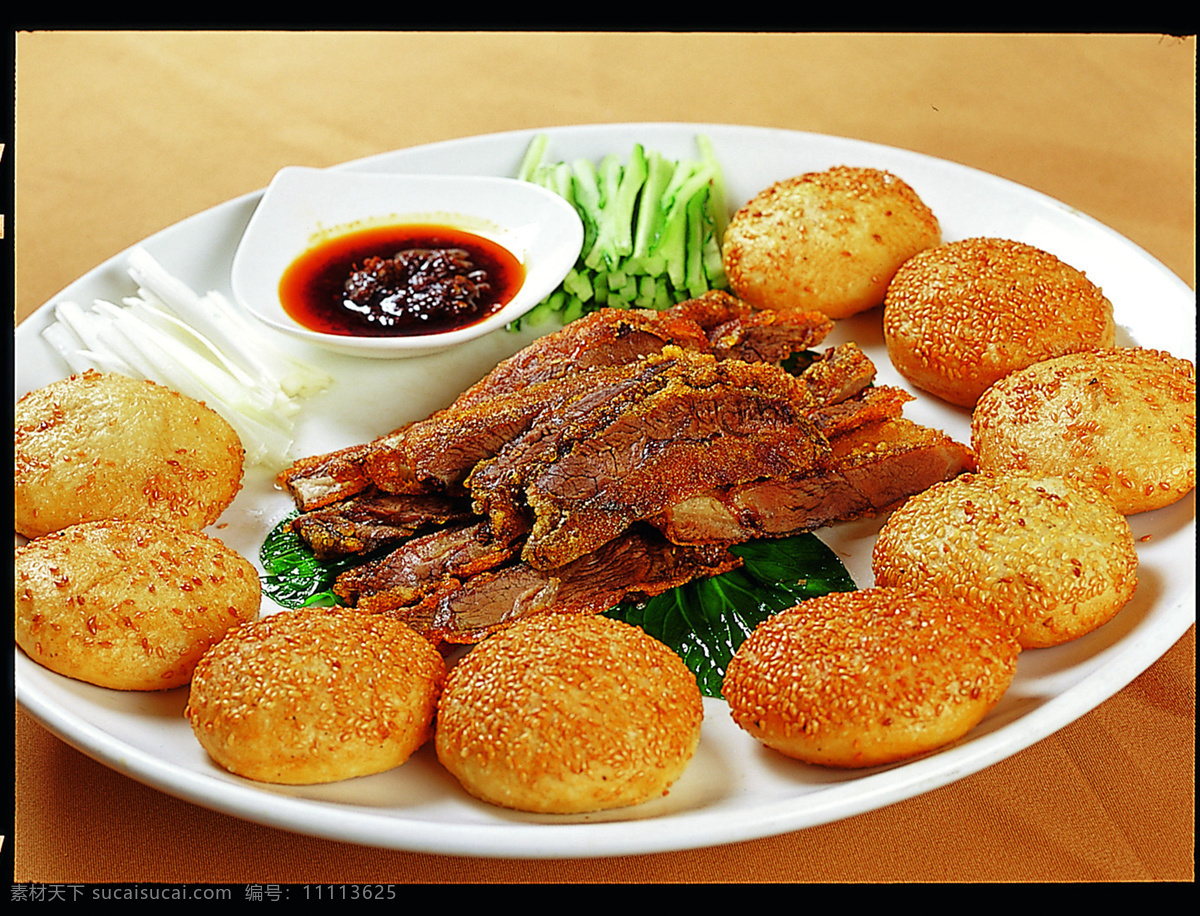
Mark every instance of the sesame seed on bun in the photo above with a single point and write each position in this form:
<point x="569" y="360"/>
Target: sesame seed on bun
<point x="101" y="445"/>
<point x="825" y="241"/>
<point x="1050" y="555"/>
<point x="869" y="677"/>
<point x="1120" y="419"/>
<point x="316" y="695"/>
<point x="960" y="316"/>
<point x="129" y="604"/>
<point x="568" y="713"/>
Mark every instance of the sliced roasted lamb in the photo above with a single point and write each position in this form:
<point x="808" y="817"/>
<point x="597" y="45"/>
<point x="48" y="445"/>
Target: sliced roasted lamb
<point x="373" y="520"/>
<point x="605" y="338"/>
<point x="457" y="586"/>
<point x="688" y="424"/>
<point x="879" y="402"/>
<point x="769" y="337"/>
<point x="837" y="374"/>
<point x="640" y="563"/>
<point x="871" y="469"/>
<point x="322" y="480"/>
<point x="438" y="453"/>
<point x="497" y="484"/>
<point x="406" y="575"/>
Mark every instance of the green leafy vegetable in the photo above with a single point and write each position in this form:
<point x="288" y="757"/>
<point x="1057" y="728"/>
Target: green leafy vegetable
<point x="705" y="621"/>
<point x="294" y="577"/>
<point x="652" y="228"/>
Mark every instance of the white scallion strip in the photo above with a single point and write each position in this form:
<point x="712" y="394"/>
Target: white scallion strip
<point x="198" y="345"/>
<point x="155" y="313"/>
<point x="213" y="316"/>
<point x="69" y="347"/>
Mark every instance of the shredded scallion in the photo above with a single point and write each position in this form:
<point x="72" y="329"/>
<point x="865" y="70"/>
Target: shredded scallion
<point x="199" y="345"/>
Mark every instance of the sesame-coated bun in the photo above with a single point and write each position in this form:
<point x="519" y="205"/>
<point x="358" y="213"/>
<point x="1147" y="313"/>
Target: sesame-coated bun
<point x="128" y="604"/>
<point x="101" y="445"/>
<point x="316" y="695"/>
<point x="1122" y="420"/>
<point x="962" y="315"/>
<point x="1050" y="555"/>
<point x="825" y="241"/>
<point x="870" y="677"/>
<point x="568" y="713"/>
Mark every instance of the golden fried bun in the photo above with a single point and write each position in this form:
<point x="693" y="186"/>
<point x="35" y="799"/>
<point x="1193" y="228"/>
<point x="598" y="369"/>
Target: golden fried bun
<point x="101" y="445"/>
<point x="129" y="604"/>
<point x="565" y="713"/>
<point x="825" y="241"/>
<point x="316" y="695"/>
<point x="1052" y="556"/>
<point x="863" y="678"/>
<point x="960" y="316"/>
<point x="1122" y="420"/>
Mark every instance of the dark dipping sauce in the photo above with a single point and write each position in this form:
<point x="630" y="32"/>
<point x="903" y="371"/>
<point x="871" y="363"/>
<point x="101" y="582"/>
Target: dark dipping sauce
<point x="399" y="281"/>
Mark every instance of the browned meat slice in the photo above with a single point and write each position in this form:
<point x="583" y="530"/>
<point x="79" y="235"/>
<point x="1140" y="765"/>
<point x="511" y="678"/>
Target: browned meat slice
<point x="640" y="563"/>
<point x="688" y="424"/>
<point x="496" y="485"/>
<point x="870" y="470"/>
<point x="373" y="520"/>
<point x="322" y="480"/>
<point x="513" y="394"/>
<point x="713" y="322"/>
<point x="711" y="310"/>
<point x="881" y="402"/>
<point x="606" y="337"/>
<point x="769" y="336"/>
<point x="736" y="330"/>
<point x="412" y="571"/>
<point x="839" y="373"/>
<point x="499" y="405"/>
<point x="438" y="453"/>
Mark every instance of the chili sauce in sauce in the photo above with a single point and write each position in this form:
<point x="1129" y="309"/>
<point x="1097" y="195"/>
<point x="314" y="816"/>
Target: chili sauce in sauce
<point x="397" y="281"/>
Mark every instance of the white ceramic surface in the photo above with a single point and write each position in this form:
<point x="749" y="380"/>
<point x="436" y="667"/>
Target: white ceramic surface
<point x="303" y="205"/>
<point x="733" y="790"/>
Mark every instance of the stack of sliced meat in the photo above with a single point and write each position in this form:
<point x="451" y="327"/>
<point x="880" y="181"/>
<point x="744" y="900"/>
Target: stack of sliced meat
<point x="621" y="456"/>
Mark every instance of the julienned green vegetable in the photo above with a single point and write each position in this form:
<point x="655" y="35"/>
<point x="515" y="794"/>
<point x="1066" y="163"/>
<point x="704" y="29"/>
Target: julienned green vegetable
<point x="704" y="621"/>
<point x="652" y="228"/>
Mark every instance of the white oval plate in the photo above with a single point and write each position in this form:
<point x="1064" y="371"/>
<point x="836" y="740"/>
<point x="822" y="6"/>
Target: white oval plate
<point x="302" y="206"/>
<point x="733" y="790"/>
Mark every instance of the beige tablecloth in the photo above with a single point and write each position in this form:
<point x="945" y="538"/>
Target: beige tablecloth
<point x="120" y="134"/>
